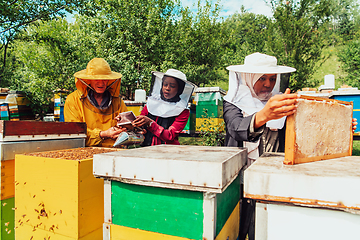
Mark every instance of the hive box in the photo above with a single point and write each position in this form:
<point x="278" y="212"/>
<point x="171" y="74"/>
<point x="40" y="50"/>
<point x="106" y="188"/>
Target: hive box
<point x="57" y="196"/>
<point x="320" y="129"/>
<point x="26" y="137"/>
<point x="171" y="192"/>
<point x="349" y="96"/>
<point x="316" y="200"/>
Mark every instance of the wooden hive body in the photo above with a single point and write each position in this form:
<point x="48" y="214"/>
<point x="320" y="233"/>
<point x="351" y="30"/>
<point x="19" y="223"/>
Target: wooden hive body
<point x="17" y="137"/>
<point x="316" y="200"/>
<point x="57" y="196"/>
<point x="171" y="192"/>
<point x="320" y="129"/>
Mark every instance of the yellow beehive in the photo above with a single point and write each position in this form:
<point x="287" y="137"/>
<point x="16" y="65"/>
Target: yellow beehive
<point x="58" y="198"/>
<point x="210" y="124"/>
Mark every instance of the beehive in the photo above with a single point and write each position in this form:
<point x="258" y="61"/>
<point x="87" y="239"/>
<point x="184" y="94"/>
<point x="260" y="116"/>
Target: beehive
<point x="316" y="200"/>
<point x="320" y="129"/>
<point x="57" y="196"/>
<point x="21" y="137"/>
<point x="171" y="192"/>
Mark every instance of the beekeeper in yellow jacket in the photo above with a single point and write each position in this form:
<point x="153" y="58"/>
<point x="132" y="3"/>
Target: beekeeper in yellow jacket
<point x="97" y="102"/>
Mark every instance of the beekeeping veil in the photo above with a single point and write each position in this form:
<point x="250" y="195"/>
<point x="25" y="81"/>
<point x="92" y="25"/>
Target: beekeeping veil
<point x="158" y="106"/>
<point x="242" y="79"/>
<point x="99" y="69"/>
<point x="241" y="93"/>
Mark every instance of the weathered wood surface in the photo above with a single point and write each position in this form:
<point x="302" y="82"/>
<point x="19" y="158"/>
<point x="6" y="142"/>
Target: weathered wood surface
<point x="200" y="167"/>
<point x="28" y="130"/>
<point x="334" y="183"/>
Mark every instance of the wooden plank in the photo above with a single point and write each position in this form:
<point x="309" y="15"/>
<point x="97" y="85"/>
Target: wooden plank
<point x="334" y="183"/>
<point x="167" y="211"/>
<point x="19" y="128"/>
<point x="230" y="231"/>
<point x="46" y="196"/>
<point x="125" y="233"/>
<point x="226" y="202"/>
<point x="320" y="129"/>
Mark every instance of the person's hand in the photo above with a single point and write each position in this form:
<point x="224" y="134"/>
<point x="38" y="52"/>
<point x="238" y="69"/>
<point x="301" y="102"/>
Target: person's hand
<point x="354" y="123"/>
<point x="277" y="107"/>
<point x="112" y="132"/>
<point x="118" y="118"/>
<point x="142" y="121"/>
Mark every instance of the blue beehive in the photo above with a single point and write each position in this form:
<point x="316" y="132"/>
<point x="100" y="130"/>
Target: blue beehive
<point x="349" y="96"/>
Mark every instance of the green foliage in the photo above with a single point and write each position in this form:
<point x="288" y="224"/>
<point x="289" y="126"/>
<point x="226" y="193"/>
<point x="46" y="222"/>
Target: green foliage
<point x="248" y="33"/>
<point x="350" y="57"/>
<point x="296" y="38"/>
<point x="46" y="57"/>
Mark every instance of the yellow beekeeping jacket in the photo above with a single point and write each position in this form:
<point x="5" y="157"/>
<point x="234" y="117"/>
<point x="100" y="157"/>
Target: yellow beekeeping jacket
<point x="79" y="109"/>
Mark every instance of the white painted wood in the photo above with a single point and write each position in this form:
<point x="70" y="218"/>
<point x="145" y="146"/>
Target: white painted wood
<point x="107" y="201"/>
<point x="198" y="166"/>
<point x="39" y="137"/>
<point x="334" y="180"/>
<point x="209" y="210"/>
<point x="298" y="223"/>
<point x="9" y="149"/>
<point x="106" y="231"/>
<point x="261" y="221"/>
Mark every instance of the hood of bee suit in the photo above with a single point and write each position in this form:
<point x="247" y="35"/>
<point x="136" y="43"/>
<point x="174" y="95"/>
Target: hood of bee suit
<point x="156" y="104"/>
<point x="98" y="69"/>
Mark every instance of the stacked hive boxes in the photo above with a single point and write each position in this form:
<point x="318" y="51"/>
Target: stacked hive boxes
<point x="209" y="109"/>
<point x="20" y="137"/>
<point x="59" y="102"/>
<point x="349" y="96"/>
<point x="171" y="192"/>
<point x="18" y="105"/>
<point x="57" y="196"/>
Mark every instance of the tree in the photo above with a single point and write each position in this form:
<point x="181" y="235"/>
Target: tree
<point x="197" y="44"/>
<point x="350" y="57"/>
<point x="296" y="38"/>
<point x="47" y="56"/>
<point x="248" y="33"/>
<point x="15" y="15"/>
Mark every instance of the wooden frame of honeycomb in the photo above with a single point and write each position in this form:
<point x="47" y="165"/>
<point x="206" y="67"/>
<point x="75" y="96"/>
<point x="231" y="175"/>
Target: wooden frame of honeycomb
<point x="320" y="129"/>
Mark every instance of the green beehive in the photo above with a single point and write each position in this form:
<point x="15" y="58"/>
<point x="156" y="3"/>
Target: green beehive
<point x="171" y="192"/>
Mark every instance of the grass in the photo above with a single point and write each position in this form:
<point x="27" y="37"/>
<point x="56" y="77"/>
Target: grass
<point x="190" y="141"/>
<point x="331" y="65"/>
<point x="356" y="148"/>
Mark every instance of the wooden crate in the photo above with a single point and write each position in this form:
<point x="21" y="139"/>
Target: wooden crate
<point x="179" y="192"/>
<point x="58" y="198"/>
<point x="320" y="129"/>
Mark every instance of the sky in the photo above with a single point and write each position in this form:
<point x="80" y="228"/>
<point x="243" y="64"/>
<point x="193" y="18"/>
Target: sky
<point x="229" y="7"/>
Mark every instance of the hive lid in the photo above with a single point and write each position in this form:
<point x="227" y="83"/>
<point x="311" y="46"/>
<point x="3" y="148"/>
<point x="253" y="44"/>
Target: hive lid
<point x="38" y="130"/>
<point x="331" y="183"/>
<point x="198" y="168"/>
<point x="9" y="149"/>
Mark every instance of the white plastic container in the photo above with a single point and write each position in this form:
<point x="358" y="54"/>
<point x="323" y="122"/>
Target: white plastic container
<point x="140" y="95"/>
<point x="329" y="81"/>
